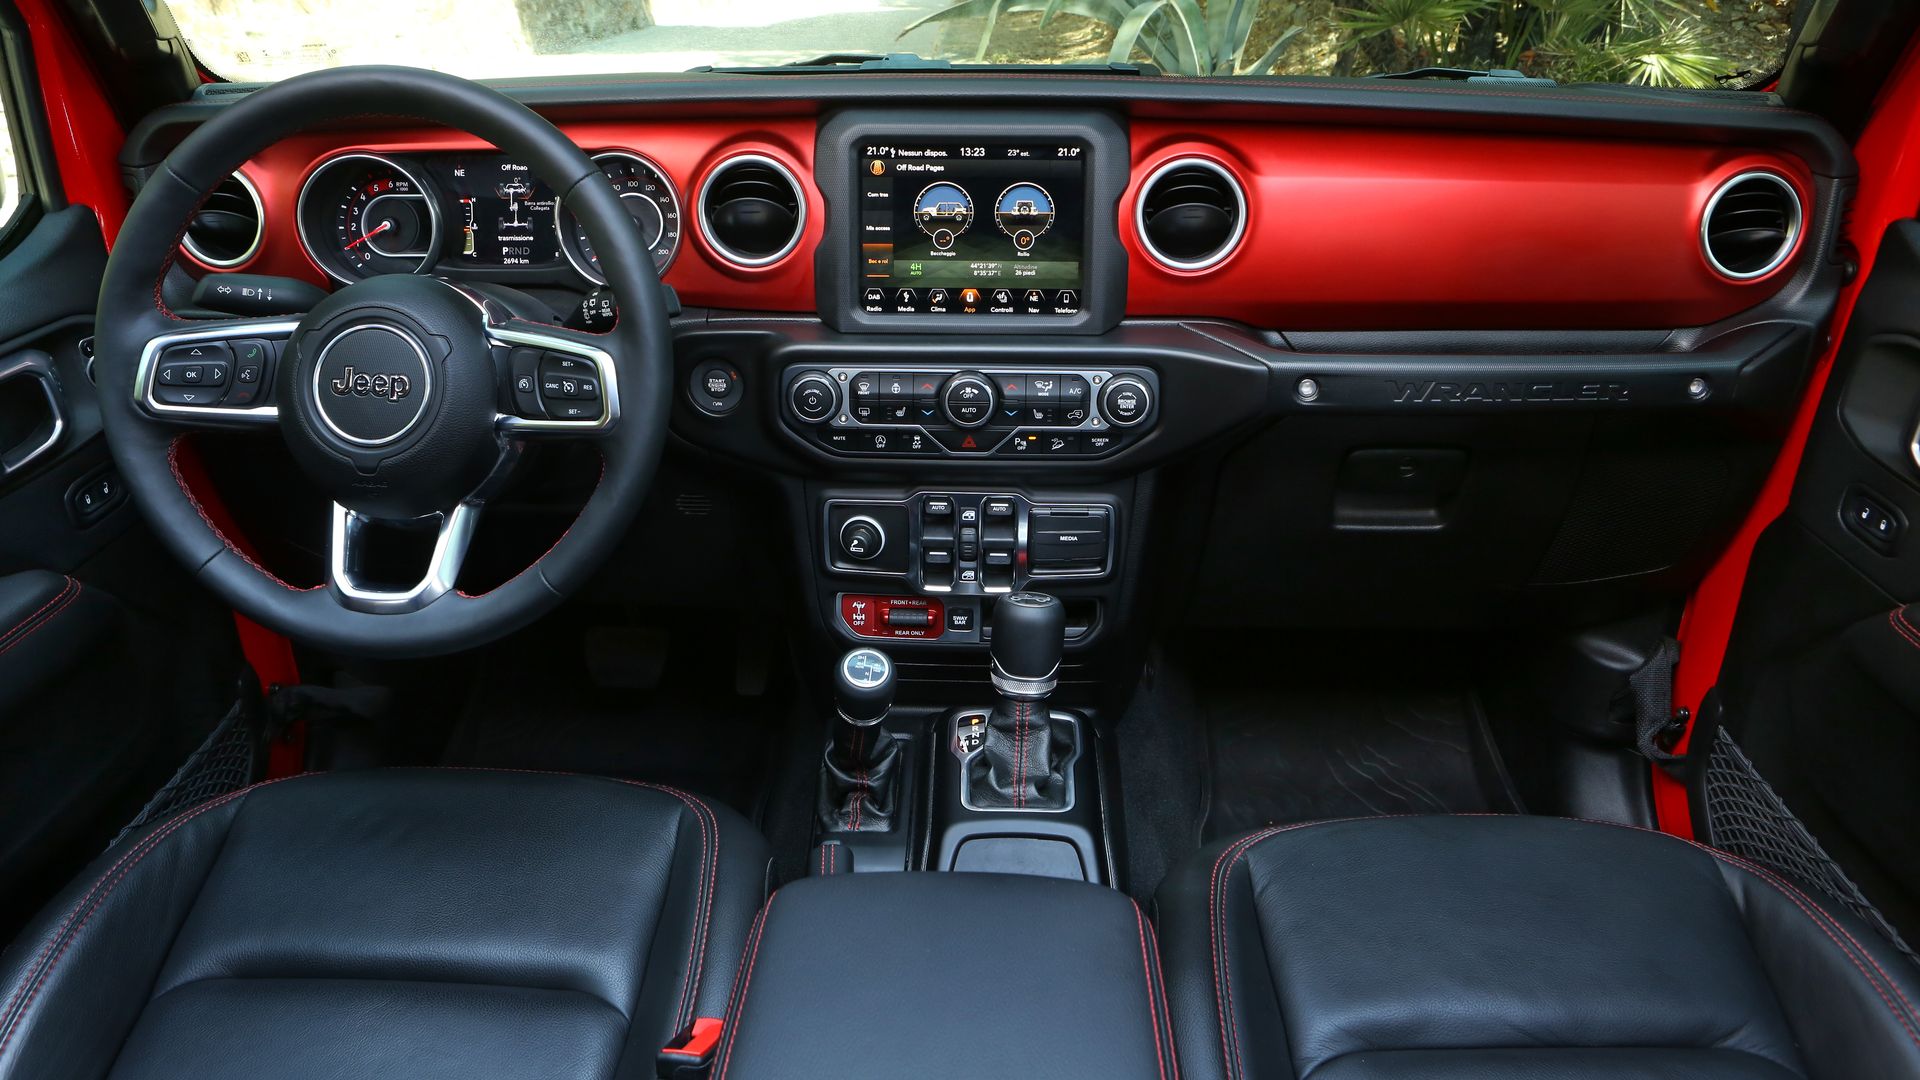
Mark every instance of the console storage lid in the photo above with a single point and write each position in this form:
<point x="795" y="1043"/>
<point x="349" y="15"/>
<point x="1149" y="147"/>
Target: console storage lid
<point x="938" y="975"/>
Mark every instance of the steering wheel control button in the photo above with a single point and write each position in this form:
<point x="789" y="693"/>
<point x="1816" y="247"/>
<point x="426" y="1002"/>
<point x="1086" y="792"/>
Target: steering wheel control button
<point x="862" y="538"/>
<point x="813" y="397"/>
<point x="1126" y="401"/>
<point x="716" y="389"/>
<point x="968" y="400"/>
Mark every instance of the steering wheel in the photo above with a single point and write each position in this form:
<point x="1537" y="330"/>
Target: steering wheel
<point x="395" y="394"/>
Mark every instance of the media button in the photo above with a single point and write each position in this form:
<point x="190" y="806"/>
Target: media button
<point x="905" y="299"/>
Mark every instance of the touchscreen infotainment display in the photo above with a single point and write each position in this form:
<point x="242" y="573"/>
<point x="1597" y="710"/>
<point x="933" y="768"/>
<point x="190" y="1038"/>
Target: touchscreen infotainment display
<point x="981" y="227"/>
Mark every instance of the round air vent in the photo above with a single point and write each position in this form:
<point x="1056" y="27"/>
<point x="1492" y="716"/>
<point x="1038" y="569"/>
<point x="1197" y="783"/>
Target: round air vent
<point x="751" y="210"/>
<point x="1190" y="214"/>
<point x="1750" y="225"/>
<point x="225" y="231"/>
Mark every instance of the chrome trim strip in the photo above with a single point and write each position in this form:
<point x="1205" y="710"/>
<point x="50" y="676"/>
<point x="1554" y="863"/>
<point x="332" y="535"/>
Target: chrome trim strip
<point x="41" y="371"/>
<point x="1239" y="225"/>
<point x="259" y="230"/>
<point x="149" y="358"/>
<point x="1020" y="689"/>
<point x="599" y="358"/>
<point x="449" y="552"/>
<point x="727" y="253"/>
<point x="1794" y="220"/>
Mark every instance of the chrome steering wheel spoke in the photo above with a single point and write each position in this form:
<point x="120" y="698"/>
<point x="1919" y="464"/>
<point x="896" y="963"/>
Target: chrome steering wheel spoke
<point x="347" y="551"/>
<point x="213" y="374"/>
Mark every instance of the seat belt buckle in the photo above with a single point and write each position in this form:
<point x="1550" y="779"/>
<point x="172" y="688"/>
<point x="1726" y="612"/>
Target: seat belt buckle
<point x="690" y="1055"/>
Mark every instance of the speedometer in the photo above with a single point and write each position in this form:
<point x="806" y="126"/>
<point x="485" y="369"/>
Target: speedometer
<point x="362" y="214"/>
<point x="649" y="197"/>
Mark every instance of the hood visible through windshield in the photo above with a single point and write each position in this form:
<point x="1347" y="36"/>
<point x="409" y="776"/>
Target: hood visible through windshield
<point x="1694" y="43"/>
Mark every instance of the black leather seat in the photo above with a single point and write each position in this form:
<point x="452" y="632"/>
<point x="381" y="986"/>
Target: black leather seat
<point x="395" y="923"/>
<point x="1503" y="947"/>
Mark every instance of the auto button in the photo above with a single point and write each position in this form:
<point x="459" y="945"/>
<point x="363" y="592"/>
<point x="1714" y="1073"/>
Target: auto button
<point x="968" y="400"/>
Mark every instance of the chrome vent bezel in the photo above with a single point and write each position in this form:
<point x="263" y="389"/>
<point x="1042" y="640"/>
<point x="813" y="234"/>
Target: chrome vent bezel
<point x="719" y="248"/>
<point x="1214" y="258"/>
<point x="1796" y="217"/>
<point x="194" y="250"/>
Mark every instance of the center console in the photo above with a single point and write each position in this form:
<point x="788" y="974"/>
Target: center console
<point x="947" y="977"/>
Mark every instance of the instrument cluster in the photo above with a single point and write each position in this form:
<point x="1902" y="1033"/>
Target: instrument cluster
<point x="484" y="213"/>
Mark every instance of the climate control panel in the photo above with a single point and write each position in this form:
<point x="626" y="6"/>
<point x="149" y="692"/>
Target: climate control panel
<point x="980" y="412"/>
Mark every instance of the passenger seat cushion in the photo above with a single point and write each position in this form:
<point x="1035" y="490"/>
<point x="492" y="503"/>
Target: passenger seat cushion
<point x="1518" y="946"/>
<point x="390" y="922"/>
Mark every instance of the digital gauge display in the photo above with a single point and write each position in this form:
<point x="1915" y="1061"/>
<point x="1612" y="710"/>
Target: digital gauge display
<point x="500" y="215"/>
<point x="981" y="228"/>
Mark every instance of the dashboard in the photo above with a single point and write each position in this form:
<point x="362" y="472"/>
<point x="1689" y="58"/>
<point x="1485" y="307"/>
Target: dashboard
<point x="1341" y="350"/>
<point x="1053" y="222"/>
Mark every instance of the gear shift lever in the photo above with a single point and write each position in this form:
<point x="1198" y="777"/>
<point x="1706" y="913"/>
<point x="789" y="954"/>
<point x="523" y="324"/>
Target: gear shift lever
<point x="856" y="786"/>
<point x="1021" y="765"/>
<point x="1029" y="632"/>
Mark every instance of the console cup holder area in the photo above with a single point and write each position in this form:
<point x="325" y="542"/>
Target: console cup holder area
<point x="947" y="975"/>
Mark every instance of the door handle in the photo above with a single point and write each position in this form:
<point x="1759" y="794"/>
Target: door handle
<point x="31" y="430"/>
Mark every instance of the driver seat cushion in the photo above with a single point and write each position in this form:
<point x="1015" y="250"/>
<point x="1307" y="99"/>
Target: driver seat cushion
<point x="1493" y="947"/>
<point x="416" y="923"/>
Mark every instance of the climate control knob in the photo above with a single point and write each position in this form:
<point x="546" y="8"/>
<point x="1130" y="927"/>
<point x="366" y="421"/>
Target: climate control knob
<point x="967" y="399"/>
<point x="813" y="397"/>
<point x="1126" y="401"/>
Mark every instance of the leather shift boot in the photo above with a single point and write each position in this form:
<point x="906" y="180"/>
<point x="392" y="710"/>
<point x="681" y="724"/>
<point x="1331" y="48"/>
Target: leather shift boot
<point x="857" y="788"/>
<point x="1021" y="767"/>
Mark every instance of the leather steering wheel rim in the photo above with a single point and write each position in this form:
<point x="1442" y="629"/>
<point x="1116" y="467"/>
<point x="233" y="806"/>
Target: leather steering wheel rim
<point x="132" y="312"/>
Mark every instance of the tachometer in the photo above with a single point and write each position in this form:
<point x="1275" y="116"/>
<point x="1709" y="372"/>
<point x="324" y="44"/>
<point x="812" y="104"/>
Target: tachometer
<point x="649" y="197"/>
<point x="362" y="214"/>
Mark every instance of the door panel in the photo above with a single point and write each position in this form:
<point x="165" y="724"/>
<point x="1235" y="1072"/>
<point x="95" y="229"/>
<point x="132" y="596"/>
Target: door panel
<point x="1822" y="679"/>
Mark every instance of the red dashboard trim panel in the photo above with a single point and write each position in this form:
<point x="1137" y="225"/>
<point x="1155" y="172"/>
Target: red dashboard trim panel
<point x="1347" y="228"/>
<point x="1396" y="229"/>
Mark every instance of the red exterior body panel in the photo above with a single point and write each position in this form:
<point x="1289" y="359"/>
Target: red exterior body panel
<point x="86" y="134"/>
<point x="1352" y="229"/>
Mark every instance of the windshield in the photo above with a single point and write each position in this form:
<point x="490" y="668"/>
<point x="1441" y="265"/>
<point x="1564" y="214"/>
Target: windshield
<point x="1691" y="43"/>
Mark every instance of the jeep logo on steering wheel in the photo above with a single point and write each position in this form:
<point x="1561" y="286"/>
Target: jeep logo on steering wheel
<point x="361" y="384"/>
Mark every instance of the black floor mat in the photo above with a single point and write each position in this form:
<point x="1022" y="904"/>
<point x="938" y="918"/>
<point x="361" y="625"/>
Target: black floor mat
<point x="539" y="705"/>
<point x="1318" y="738"/>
